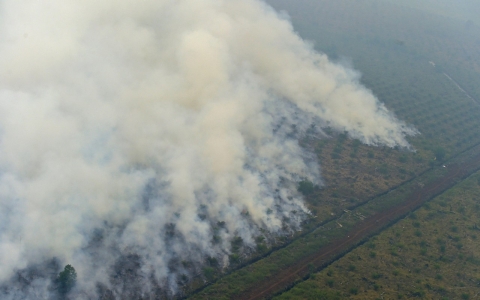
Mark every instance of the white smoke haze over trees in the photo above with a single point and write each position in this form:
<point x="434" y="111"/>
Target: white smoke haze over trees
<point x="134" y="127"/>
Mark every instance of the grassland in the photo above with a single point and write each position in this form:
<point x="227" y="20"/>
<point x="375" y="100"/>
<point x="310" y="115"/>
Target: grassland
<point x="432" y="254"/>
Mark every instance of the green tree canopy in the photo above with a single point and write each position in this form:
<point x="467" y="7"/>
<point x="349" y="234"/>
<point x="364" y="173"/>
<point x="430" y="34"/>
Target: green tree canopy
<point x="306" y="187"/>
<point x="66" y="279"/>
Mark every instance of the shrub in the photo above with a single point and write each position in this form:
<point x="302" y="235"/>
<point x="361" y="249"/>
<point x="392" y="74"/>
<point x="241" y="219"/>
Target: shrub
<point x="262" y="248"/>
<point x="237" y="242"/>
<point x="234" y="258"/>
<point x="383" y="169"/>
<point x="419" y="293"/>
<point x="306" y="187"/>
<point x="209" y="273"/>
<point x="212" y="261"/>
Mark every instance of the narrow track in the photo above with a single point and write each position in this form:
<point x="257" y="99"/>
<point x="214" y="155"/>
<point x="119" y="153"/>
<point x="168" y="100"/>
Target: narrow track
<point x="287" y="277"/>
<point x="461" y="89"/>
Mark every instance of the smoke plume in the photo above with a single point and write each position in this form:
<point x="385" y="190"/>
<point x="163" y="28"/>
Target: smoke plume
<point x="158" y="130"/>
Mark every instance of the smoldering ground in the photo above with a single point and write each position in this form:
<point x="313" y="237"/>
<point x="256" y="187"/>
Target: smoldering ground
<point x="133" y="129"/>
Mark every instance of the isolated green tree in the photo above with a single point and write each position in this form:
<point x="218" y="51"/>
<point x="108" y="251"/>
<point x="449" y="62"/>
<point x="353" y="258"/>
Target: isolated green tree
<point x="66" y="279"/>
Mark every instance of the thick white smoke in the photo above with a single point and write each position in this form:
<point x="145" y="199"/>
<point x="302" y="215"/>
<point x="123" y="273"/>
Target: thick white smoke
<point x="132" y="127"/>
